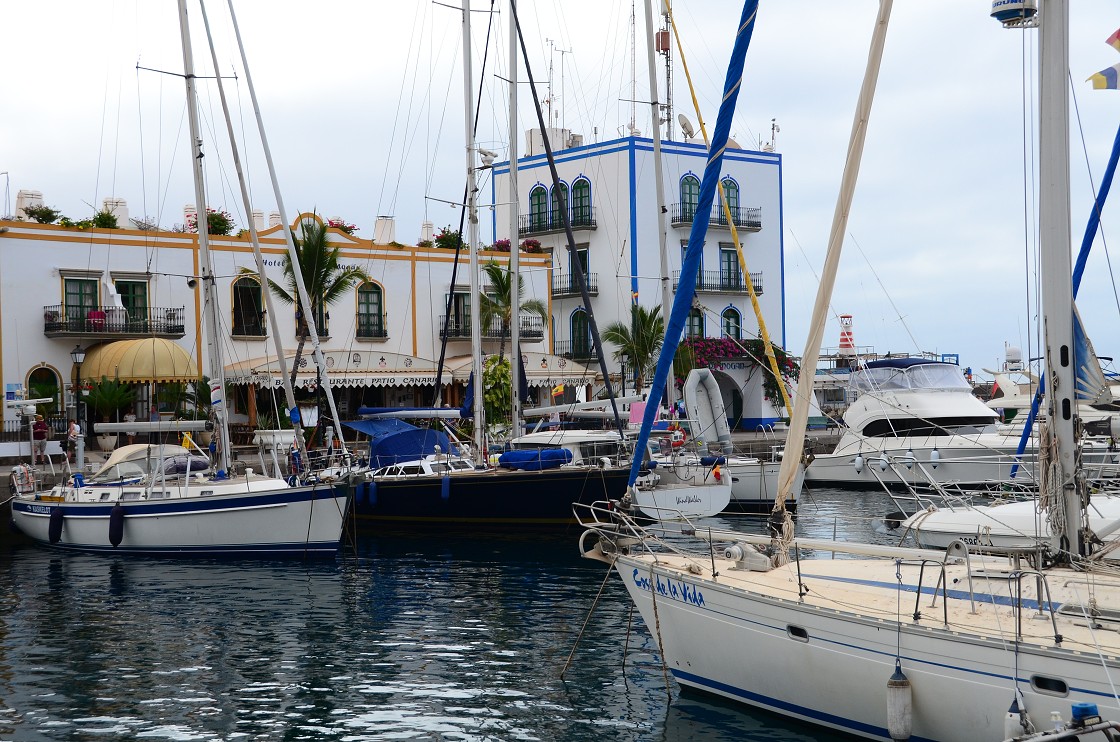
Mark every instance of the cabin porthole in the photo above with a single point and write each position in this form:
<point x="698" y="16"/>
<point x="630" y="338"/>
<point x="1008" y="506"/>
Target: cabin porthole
<point x="1049" y="686"/>
<point x="797" y="633"/>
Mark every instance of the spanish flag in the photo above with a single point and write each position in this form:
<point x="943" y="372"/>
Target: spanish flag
<point x="557" y="390"/>
<point x="1114" y="40"/>
<point x="1107" y="78"/>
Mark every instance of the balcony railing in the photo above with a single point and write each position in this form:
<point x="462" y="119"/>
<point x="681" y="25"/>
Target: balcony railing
<point x="580" y="350"/>
<point x="566" y="284"/>
<point x="552" y="221"/>
<point x="748" y="218"/>
<point x="459" y="327"/>
<point x="718" y="282"/>
<point x="371" y="327"/>
<point x="60" y="321"/>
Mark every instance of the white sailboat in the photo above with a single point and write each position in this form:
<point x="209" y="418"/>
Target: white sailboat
<point x="900" y="643"/>
<point x="158" y="507"/>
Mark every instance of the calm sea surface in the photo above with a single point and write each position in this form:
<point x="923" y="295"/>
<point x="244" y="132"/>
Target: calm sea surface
<point x="408" y="636"/>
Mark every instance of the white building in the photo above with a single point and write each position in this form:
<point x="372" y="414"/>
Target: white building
<point x="105" y="291"/>
<point x="612" y="205"/>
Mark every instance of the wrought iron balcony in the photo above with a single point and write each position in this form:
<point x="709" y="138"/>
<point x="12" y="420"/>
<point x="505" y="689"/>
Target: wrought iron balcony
<point x="580" y="350"/>
<point x="371" y="327"/>
<point x="566" y="284"/>
<point x="745" y="218"/>
<point x="62" y="321"/>
<point x="718" y="282"/>
<point x="459" y="327"/>
<point x="552" y="221"/>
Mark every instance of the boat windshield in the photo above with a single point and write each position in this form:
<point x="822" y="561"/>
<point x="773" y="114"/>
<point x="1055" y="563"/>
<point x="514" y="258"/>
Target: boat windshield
<point x="931" y="376"/>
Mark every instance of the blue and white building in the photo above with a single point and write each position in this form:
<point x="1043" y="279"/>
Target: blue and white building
<point x="609" y="191"/>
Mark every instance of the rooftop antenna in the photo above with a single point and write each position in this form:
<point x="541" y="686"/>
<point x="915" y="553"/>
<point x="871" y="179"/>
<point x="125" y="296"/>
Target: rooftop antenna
<point x="633" y="74"/>
<point x="774" y="129"/>
<point x="666" y="49"/>
<point x="552" y="50"/>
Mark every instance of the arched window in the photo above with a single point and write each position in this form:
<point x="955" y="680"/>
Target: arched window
<point x="731" y="193"/>
<point x="581" y="203"/>
<point x="248" y="313"/>
<point x="690" y="194"/>
<point x="695" y="326"/>
<point x="559" y="205"/>
<point x="371" y="311"/>
<point x="581" y="335"/>
<point x="41" y="384"/>
<point x="538" y="208"/>
<point x="732" y="324"/>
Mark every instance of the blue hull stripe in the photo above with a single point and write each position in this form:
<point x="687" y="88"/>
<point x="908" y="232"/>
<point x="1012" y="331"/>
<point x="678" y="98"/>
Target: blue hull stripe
<point x="175" y="505"/>
<point x="785" y="707"/>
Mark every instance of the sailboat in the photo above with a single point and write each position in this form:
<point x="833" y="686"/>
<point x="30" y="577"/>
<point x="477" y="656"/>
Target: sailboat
<point x="895" y="643"/>
<point x="146" y="502"/>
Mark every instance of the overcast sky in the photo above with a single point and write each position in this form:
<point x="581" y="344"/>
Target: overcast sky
<point x="362" y="104"/>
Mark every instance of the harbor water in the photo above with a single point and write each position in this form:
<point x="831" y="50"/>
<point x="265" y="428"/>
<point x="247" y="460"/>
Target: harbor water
<point x="406" y="636"/>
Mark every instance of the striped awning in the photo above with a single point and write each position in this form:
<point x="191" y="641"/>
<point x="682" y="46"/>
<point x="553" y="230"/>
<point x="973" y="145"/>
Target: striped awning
<point x="142" y="360"/>
<point x="541" y="370"/>
<point x="347" y="368"/>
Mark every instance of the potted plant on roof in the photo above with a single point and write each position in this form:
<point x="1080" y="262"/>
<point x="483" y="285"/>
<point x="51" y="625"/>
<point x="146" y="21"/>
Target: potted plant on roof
<point x="108" y="397"/>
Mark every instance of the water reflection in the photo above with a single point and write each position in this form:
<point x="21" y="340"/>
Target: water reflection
<point x="412" y="636"/>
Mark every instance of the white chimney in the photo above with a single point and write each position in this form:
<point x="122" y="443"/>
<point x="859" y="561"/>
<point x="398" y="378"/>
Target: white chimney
<point x="118" y="207"/>
<point x="274" y="219"/>
<point x="27" y="198"/>
<point x="384" y="230"/>
<point x="427" y="231"/>
<point x="258" y="219"/>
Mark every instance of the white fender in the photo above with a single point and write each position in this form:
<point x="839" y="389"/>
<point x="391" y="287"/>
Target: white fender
<point x="703" y="402"/>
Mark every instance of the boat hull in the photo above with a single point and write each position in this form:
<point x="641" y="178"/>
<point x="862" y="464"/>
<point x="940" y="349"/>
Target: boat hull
<point x="490" y="498"/>
<point x="754" y="486"/>
<point x="298" y="521"/>
<point x="800" y="660"/>
<point x="971" y="466"/>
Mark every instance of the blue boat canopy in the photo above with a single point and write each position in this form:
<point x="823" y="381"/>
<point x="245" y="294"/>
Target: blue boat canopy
<point x="394" y="441"/>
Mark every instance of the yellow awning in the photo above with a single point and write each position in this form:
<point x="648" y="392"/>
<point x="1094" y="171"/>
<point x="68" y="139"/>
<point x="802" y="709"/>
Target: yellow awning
<point x="143" y="360"/>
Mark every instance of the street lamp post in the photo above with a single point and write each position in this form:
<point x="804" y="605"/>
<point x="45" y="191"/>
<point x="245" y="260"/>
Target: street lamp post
<point x="78" y="356"/>
<point x="623" y="358"/>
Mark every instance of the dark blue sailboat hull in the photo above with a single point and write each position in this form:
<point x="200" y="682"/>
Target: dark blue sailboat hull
<point x="492" y="498"/>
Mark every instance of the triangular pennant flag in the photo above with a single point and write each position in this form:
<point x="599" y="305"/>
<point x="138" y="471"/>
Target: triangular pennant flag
<point x="1106" y="79"/>
<point x="1114" y="40"/>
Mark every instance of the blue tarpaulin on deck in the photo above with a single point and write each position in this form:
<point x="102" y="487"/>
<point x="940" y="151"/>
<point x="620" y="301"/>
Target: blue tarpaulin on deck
<point x="393" y="441"/>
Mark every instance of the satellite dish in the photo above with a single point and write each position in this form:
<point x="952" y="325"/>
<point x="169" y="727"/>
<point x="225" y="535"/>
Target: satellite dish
<point x="686" y="126"/>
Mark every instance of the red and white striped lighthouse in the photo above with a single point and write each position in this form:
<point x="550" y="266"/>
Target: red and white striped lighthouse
<point x="847" y="344"/>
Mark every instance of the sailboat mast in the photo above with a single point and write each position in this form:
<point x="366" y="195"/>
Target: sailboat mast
<point x="1055" y="267"/>
<point x="209" y="300"/>
<point x="795" y="438"/>
<point x="659" y="183"/>
<point x="472" y="236"/>
<point x="293" y="255"/>
<point x="514" y="248"/>
<point x="254" y="237"/>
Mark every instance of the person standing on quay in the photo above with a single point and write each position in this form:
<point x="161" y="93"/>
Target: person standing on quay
<point x="72" y="434"/>
<point x="39" y="434"/>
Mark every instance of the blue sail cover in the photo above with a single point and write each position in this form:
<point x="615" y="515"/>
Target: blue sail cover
<point x="686" y="287"/>
<point x="394" y="441"/>
<point x="1081" y="340"/>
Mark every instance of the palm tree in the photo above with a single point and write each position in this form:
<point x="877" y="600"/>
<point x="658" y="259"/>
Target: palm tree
<point x="640" y="340"/>
<point x="325" y="279"/>
<point x="498" y="304"/>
